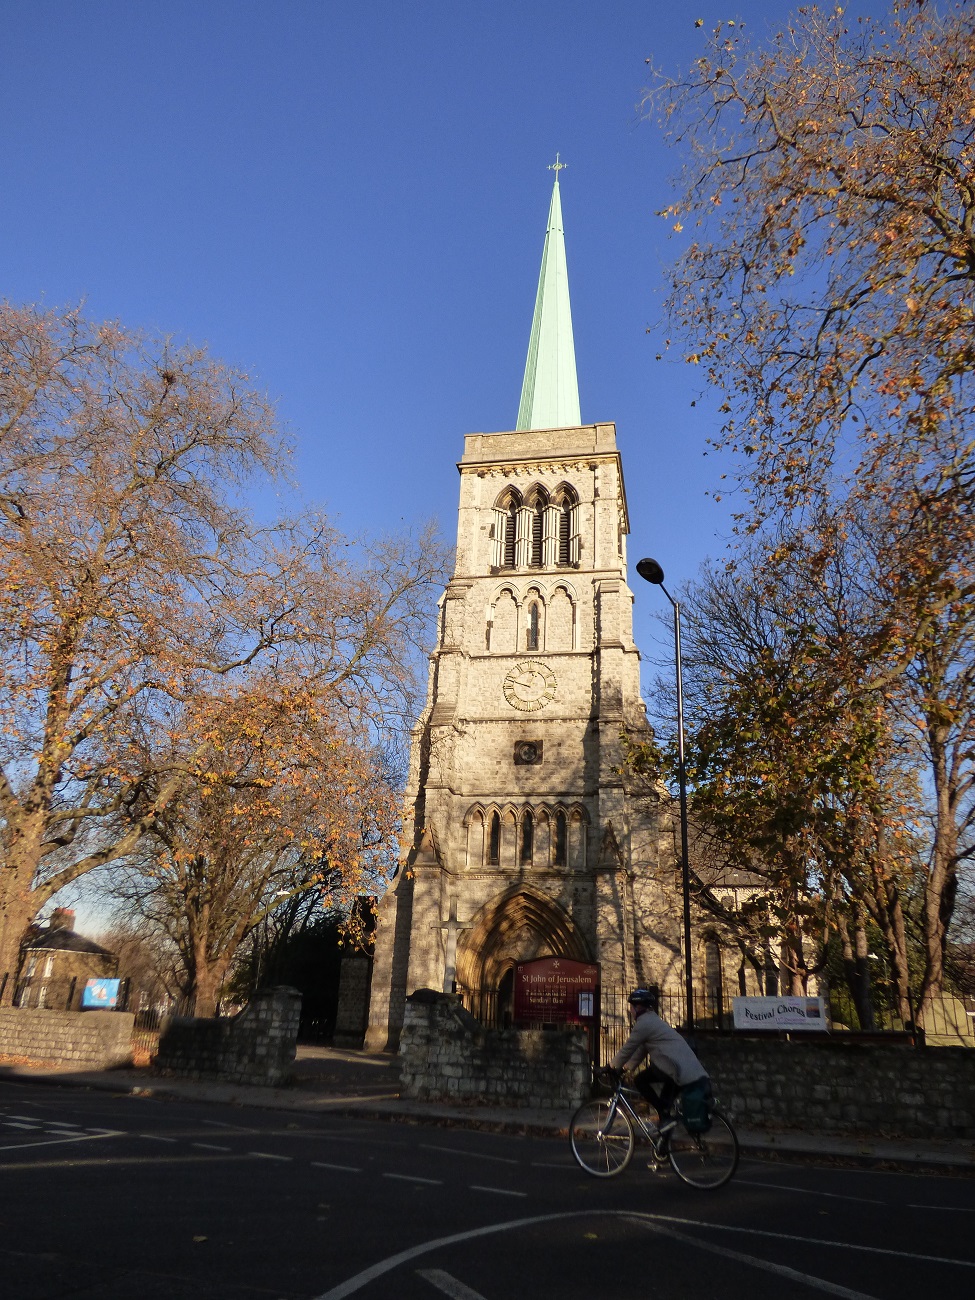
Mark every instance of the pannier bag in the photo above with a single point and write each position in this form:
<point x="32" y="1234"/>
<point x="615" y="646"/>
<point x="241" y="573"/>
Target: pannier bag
<point x="695" y="1106"/>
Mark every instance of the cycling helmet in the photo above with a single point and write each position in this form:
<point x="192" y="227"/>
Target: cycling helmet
<point x="644" y="998"/>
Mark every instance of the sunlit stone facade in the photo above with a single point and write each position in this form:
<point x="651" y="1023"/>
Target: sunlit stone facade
<point x="522" y="837"/>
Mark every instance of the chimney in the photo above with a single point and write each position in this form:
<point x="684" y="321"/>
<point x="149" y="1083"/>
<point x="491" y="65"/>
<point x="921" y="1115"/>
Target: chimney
<point x="62" y="918"/>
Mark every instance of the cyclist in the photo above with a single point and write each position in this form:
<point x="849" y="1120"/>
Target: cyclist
<point x="671" y="1061"/>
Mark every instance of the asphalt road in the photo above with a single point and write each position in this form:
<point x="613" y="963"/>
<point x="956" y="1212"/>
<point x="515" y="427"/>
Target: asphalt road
<point x="122" y="1198"/>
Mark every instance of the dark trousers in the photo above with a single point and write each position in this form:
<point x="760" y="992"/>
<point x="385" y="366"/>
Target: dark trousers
<point x="655" y="1087"/>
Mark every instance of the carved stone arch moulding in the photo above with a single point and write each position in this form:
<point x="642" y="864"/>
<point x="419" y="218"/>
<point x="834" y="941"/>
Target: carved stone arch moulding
<point x="505" y="589"/>
<point x="475" y="810"/>
<point x="519" y="592"/>
<point x="565" y="492"/>
<point x="519" y="925"/>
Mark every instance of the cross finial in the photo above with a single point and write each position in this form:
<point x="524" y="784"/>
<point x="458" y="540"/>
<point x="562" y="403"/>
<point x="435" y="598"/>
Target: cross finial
<point x="557" y="167"/>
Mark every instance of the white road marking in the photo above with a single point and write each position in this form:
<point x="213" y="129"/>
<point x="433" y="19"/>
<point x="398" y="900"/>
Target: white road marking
<point x="353" y="1284"/>
<point x="209" y="1146"/>
<point x="268" y="1155"/>
<point x="809" y="1191"/>
<point x="781" y="1270"/>
<point x="812" y="1241"/>
<point x="115" y="1162"/>
<point x="942" y="1209"/>
<point x="8" y="1123"/>
<point x="473" y="1155"/>
<point x="447" y="1284"/>
<point x="498" y="1191"/>
<point x="548" y="1164"/>
<point x="356" y="1283"/>
<point x="31" y="1118"/>
<point x="86" y="1137"/>
<point x="412" y="1178"/>
<point x="344" y="1169"/>
<point x="156" y="1137"/>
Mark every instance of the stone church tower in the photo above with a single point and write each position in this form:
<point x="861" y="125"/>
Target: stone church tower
<point x="521" y="836"/>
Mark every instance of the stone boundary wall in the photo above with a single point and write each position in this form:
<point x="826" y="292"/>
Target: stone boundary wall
<point x="843" y="1087"/>
<point x="256" y="1047"/>
<point x="80" y="1040"/>
<point x="445" y="1055"/>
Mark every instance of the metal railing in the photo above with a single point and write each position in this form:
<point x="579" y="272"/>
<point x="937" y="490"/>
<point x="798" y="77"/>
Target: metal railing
<point x="948" y="1020"/>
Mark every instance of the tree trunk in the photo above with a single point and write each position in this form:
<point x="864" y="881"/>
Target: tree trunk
<point x="18" y="907"/>
<point x="895" y="932"/>
<point x="941" y="885"/>
<point x="207" y="976"/>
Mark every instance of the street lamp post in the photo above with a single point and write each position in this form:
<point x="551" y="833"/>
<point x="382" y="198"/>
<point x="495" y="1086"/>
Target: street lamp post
<point x="651" y="571"/>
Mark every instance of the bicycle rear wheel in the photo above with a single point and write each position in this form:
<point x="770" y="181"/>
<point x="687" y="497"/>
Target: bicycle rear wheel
<point x="704" y="1160"/>
<point x="603" y="1148"/>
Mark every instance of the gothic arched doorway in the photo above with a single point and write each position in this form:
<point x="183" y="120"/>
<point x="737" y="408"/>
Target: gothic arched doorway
<point x="518" y="926"/>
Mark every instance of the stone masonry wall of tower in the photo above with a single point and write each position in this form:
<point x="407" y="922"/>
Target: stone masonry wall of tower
<point x="521" y="837"/>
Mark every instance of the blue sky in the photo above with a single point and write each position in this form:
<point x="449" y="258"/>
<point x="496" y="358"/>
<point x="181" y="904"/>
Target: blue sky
<point x="349" y="200"/>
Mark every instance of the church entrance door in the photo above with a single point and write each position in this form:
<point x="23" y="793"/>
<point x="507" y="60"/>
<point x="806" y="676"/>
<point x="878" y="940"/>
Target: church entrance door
<point x="519" y="926"/>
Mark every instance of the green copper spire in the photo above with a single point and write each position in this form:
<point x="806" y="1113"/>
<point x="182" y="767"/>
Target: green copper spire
<point x="550" y="392"/>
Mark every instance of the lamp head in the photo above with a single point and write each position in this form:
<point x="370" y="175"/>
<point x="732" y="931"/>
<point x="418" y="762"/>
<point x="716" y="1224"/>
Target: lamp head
<point x="651" y="571"/>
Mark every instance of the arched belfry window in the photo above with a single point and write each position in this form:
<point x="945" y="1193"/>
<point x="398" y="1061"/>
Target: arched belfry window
<point x="569" y="545"/>
<point x="531" y="635"/>
<point x="511" y="535"/>
<point x="537" y="502"/>
<point x="504" y="530"/>
<point x="494" y="840"/>
<point x="527" y="839"/>
<point x="534" y="532"/>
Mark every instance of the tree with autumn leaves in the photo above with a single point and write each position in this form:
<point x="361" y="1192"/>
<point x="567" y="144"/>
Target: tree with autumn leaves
<point x="161" y="655"/>
<point x="278" y="800"/>
<point x="802" y="777"/>
<point x="828" y="291"/>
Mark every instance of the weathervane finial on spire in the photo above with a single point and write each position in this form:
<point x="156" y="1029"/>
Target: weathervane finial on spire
<point x="557" y="167"/>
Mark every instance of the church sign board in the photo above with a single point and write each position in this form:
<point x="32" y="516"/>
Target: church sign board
<point x="555" y="991"/>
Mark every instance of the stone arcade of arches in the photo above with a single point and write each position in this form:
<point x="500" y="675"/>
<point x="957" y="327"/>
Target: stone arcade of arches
<point x="538" y="835"/>
<point x="538" y="617"/>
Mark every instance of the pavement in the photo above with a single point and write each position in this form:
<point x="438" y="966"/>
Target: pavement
<point x="330" y="1080"/>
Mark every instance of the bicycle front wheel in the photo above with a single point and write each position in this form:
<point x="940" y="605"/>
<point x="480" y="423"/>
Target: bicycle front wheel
<point x="602" y="1146"/>
<point x="705" y="1160"/>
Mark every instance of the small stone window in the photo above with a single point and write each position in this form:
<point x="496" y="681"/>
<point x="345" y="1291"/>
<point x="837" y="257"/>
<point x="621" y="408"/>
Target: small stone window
<point x="494" y="840"/>
<point x="528" y="753"/>
<point x="527" y="839"/>
<point x="559" y="842"/>
<point x="531" y="636"/>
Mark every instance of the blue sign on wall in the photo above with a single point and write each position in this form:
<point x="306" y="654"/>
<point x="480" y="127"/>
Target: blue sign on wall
<point x="101" y="994"/>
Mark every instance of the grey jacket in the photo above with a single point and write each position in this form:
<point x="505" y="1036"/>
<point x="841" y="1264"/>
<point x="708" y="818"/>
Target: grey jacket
<point x="653" y="1037"/>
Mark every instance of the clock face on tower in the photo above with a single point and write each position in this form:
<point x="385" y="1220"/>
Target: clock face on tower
<point x="529" y="686"/>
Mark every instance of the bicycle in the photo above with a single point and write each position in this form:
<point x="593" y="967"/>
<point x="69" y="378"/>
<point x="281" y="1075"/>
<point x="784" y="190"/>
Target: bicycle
<point x="603" y="1138"/>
